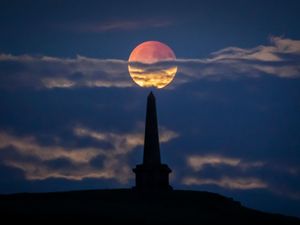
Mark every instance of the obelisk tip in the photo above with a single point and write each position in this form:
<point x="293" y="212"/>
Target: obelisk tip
<point x="151" y="95"/>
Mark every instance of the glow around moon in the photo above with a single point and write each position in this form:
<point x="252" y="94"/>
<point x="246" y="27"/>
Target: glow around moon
<point x="148" y="74"/>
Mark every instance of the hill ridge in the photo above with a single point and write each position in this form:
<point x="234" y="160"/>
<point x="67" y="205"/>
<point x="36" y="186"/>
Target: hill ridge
<point x="125" y="206"/>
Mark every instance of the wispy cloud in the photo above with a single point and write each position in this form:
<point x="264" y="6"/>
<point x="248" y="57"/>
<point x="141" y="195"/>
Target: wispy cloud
<point x="121" y="25"/>
<point x="271" y="53"/>
<point x="243" y="183"/>
<point x="279" y="59"/>
<point x="238" y="173"/>
<point x="75" y="163"/>
<point x="198" y="162"/>
<point x="52" y="72"/>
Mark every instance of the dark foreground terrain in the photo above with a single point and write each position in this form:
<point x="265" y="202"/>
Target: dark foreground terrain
<point x="125" y="206"/>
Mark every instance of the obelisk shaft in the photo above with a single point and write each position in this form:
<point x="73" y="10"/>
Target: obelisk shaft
<point x="151" y="175"/>
<point x="151" y="141"/>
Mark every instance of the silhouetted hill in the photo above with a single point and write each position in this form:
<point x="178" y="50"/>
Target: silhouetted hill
<point x="124" y="206"/>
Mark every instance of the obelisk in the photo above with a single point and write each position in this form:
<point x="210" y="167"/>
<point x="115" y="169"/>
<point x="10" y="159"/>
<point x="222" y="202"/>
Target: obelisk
<point x="152" y="175"/>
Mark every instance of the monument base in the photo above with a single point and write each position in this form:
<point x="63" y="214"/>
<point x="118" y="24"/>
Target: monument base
<point x="152" y="177"/>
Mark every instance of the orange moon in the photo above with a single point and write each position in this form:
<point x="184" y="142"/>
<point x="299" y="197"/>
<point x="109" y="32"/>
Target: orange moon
<point x="149" y="75"/>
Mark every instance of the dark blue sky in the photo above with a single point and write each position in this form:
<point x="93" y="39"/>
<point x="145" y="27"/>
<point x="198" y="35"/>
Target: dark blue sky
<point x="72" y="118"/>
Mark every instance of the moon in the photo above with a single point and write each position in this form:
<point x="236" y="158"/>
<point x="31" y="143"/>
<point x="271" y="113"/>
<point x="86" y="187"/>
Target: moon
<point x="149" y="73"/>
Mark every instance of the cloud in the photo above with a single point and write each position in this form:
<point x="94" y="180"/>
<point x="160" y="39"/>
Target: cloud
<point x="279" y="59"/>
<point x="198" y="162"/>
<point x="227" y="182"/>
<point x="277" y="51"/>
<point x="237" y="173"/>
<point x="125" y="142"/>
<point x="120" y="25"/>
<point x="52" y="72"/>
<point x="40" y="161"/>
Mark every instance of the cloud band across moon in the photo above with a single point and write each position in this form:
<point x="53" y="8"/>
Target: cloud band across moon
<point x="279" y="59"/>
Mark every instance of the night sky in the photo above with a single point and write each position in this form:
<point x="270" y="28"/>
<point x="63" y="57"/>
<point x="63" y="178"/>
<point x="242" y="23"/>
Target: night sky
<point x="72" y="118"/>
